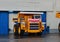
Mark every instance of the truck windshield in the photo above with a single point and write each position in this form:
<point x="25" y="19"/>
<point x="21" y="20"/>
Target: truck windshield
<point x="37" y="16"/>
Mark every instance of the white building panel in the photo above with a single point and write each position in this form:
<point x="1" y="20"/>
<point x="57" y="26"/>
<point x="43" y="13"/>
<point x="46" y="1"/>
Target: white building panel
<point x="57" y="5"/>
<point x="32" y="5"/>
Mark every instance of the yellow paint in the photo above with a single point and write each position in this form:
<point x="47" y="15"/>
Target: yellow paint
<point x="19" y="30"/>
<point x="58" y="15"/>
<point x="42" y="27"/>
<point x="14" y="29"/>
<point x="33" y="31"/>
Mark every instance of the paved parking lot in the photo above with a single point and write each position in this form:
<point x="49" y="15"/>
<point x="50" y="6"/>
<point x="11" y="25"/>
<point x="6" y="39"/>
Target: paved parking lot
<point x="46" y="38"/>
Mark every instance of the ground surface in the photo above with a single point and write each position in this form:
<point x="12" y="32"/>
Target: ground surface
<point x="47" y="38"/>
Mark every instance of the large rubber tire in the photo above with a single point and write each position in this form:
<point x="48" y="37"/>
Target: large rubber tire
<point x="59" y="27"/>
<point x="22" y="32"/>
<point x="16" y="26"/>
<point x="39" y="34"/>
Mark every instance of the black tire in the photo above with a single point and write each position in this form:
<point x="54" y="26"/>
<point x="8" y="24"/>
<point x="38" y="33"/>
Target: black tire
<point x="22" y="33"/>
<point x="39" y="34"/>
<point x="59" y="27"/>
<point x="59" y="30"/>
<point x="16" y="26"/>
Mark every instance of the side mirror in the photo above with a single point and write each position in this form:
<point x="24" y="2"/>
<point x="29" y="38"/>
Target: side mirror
<point x="15" y="20"/>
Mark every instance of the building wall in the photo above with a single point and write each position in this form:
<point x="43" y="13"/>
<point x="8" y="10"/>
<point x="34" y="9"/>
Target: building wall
<point x="57" y="5"/>
<point x="11" y="23"/>
<point x="32" y="5"/>
<point x="52" y="21"/>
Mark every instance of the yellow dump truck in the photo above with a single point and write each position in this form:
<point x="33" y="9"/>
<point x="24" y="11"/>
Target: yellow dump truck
<point x="28" y="23"/>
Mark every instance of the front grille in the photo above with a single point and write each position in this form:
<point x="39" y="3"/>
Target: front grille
<point x="34" y="26"/>
<point x="33" y="23"/>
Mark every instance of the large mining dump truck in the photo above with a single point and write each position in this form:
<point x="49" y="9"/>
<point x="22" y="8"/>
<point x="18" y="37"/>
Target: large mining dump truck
<point x="28" y="23"/>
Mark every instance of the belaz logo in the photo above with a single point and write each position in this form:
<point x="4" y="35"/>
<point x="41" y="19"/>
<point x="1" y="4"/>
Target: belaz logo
<point x="34" y="20"/>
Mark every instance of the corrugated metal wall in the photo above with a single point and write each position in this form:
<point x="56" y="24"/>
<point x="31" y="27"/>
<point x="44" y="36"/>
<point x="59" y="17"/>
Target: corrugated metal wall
<point x="44" y="18"/>
<point x="4" y="21"/>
